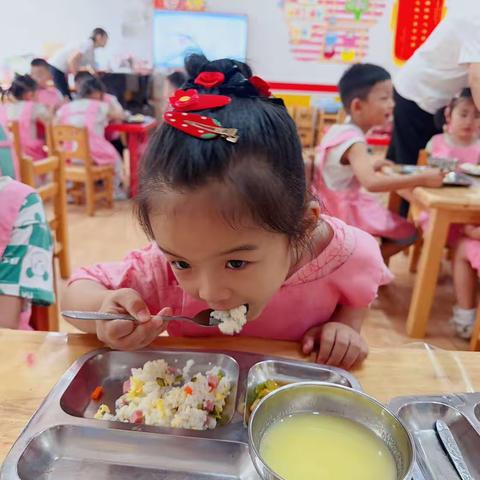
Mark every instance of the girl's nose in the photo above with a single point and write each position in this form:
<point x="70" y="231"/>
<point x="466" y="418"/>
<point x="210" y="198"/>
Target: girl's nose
<point x="213" y="291"/>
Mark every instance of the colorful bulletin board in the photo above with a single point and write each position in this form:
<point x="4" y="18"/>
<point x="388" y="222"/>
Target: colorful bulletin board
<point x="334" y="31"/>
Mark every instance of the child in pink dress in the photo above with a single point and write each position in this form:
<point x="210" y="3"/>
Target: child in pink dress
<point x="233" y="224"/>
<point x="47" y="94"/>
<point x="25" y="109"/>
<point x="461" y="141"/>
<point x="90" y="111"/>
<point x="461" y="123"/>
<point x="344" y="168"/>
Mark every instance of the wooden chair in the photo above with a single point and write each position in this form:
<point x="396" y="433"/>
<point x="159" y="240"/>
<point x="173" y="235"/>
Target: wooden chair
<point x="414" y="215"/>
<point x="325" y="121"/>
<point x="15" y="132"/>
<point x="72" y="143"/>
<point x="305" y="119"/>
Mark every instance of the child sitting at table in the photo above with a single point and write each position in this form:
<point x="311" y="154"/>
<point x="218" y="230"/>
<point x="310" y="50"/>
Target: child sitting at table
<point x="344" y="167"/>
<point x="461" y="126"/>
<point x="90" y="111"/>
<point x="223" y="197"/>
<point x="26" y="250"/>
<point x="25" y="109"/>
<point x="47" y="94"/>
<point x="116" y="108"/>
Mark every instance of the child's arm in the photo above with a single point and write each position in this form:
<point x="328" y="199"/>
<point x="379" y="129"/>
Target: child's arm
<point x="362" y="165"/>
<point x="339" y="340"/>
<point x="116" y="111"/>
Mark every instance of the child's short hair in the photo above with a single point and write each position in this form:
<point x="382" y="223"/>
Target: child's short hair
<point x="89" y="86"/>
<point x="81" y="76"/>
<point x="263" y="171"/>
<point x="21" y="85"/>
<point x="358" y="81"/>
<point x="39" y="62"/>
<point x="177" y="79"/>
<point x="98" y="32"/>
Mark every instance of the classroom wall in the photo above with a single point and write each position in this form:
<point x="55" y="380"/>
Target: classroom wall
<point x="38" y="27"/>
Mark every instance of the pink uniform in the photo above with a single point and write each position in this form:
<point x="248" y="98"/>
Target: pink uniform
<point x="93" y="115"/>
<point x="348" y="272"/>
<point x="27" y="114"/>
<point x="50" y="97"/>
<point x="341" y="193"/>
<point x="442" y="146"/>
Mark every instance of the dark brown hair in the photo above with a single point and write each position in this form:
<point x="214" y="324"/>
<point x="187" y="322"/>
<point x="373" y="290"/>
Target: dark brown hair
<point x="264" y="171"/>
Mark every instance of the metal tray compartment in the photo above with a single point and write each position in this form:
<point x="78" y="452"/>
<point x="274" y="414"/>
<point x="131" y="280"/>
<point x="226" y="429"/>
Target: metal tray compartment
<point x="75" y="452"/>
<point x="110" y="369"/>
<point x="285" y="372"/>
<point x="63" y="441"/>
<point x="419" y="415"/>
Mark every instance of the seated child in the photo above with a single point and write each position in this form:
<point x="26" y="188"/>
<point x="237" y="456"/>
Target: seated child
<point x="90" y="111"/>
<point x="116" y="109"/>
<point x="26" y="250"/>
<point x="460" y="139"/>
<point x="232" y="223"/>
<point x="47" y="94"/>
<point x="27" y="112"/>
<point x="344" y="167"/>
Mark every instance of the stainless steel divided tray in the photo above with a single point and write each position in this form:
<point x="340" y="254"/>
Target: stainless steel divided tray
<point x="461" y="412"/>
<point x="64" y="441"/>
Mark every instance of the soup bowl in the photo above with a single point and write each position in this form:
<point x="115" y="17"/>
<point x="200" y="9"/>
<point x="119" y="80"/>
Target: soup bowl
<point x="335" y="400"/>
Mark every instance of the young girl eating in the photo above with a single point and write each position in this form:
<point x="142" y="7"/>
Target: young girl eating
<point x="344" y="168"/>
<point x="223" y="198"/>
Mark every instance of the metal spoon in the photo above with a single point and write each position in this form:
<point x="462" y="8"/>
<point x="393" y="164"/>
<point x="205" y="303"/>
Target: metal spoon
<point x="203" y="318"/>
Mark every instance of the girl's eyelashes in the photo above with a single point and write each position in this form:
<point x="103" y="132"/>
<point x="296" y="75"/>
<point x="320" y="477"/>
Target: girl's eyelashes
<point x="180" y="264"/>
<point x="236" y="264"/>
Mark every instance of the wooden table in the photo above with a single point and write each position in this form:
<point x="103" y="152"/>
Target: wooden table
<point x="445" y="206"/>
<point x="32" y="362"/>
<point x="136" y="135"/>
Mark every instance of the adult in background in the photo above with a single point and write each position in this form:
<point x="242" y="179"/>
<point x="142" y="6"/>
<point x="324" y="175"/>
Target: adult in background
<point x="75" y="57"/>
<point x="445" y="64"/>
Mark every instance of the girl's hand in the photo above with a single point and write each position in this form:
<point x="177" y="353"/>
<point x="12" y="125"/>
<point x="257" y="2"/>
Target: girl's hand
<point x="432" y="178"/>
<point x="339" y="345"/>
<point x="125" y="334"/>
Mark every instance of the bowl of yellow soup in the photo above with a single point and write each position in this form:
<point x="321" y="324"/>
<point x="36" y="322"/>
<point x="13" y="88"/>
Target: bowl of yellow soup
<point x="315" y="430"/>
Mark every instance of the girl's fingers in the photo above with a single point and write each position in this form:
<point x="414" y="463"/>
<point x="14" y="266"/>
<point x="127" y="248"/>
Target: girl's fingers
<point x="133" y="303"/>
<point x="352" y="356"/>
<point x="340" y="348"/>
<point x="327" y="341"/>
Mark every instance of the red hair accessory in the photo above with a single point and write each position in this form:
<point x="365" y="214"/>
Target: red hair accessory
<point x="261" y="85"/>
<point x="209" y="79"/>
<point x="190" y="100"/>
<point x="200" y="126"/>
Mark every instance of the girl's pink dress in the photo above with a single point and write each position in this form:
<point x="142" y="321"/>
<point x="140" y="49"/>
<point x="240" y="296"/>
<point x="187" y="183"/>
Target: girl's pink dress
<point x="440" y="147"/>
<point x="32" y="145"/>
<point x="353" y="205"/>
<point x="348" y="272"/>
<point x="50" y="97"/>
<point x="92" y="115"/>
